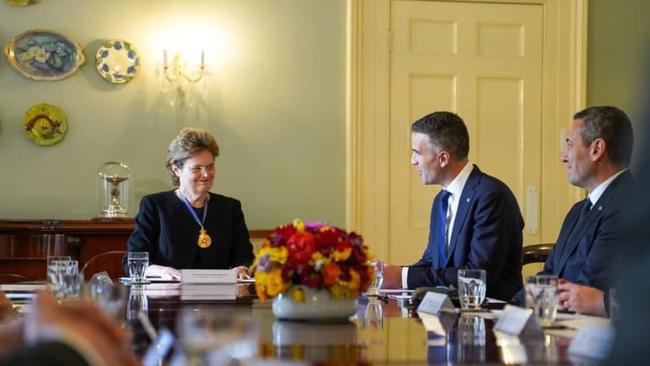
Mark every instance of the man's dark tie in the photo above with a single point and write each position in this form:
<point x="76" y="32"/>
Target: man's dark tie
<point x="441" y="218"/>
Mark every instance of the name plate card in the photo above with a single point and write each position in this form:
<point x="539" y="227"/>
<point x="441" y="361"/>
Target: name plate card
<point x="593" y="341"/>
<point x="208" y="276"/>
<point x="434" y="303"/>
<point x="514" y="319"/>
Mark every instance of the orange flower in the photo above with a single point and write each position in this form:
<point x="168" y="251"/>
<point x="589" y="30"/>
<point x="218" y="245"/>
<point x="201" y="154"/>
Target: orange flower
<point x="331" y="273"/>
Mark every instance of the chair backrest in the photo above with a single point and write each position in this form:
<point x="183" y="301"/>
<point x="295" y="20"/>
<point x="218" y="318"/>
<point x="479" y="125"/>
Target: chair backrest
<point x="13" y="278"/>
<point x="111" y="262"/>
<point x="536" y="253"/>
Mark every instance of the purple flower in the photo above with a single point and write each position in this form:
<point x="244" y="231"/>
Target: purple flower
<point x="264" y="263"/>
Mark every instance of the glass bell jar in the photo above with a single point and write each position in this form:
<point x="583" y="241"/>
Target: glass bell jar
<point x="114" y="189"/>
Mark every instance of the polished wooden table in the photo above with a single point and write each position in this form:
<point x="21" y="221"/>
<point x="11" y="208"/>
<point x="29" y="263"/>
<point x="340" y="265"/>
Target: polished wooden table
<point x="380" y="332"/>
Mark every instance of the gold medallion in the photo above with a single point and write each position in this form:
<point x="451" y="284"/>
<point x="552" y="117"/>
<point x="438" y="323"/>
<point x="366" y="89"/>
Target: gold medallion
<point x="204" y="239"/>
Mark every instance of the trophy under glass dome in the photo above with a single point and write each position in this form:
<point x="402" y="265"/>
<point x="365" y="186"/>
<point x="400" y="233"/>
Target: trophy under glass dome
<point x="114" y="191"/>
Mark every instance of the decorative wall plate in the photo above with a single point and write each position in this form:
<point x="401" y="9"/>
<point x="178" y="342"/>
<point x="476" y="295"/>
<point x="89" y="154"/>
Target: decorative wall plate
<point x="117" y="61"/>
<point x="44" y="55"/>
<point x="45" y="124"/>
<point x="22" y="2"/>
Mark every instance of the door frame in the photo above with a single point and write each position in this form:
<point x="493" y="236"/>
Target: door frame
<point x="368" y="44"/>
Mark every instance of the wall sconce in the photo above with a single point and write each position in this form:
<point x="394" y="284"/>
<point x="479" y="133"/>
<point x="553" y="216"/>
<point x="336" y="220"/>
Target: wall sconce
<point x="179" y="73"/>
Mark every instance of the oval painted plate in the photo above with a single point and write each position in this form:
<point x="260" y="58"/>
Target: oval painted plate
<point x="44" y="55"/>
<point x="117" y="61"/>
<point x="45" y="124"/>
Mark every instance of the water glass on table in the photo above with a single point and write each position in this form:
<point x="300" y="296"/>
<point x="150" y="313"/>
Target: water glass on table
<point x="542" y="298"/>
<point x="471" y="288"/>
<point x="138" y="263"/>
<point x="71" y="279"/>
<point x="55" y="265"/>
<point x="377" y="281"/>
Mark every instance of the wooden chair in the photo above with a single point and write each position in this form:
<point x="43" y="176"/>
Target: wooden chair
<point x="13" y="278"/>
<point x="536" y="253"/>
<point x="110" y="261"/>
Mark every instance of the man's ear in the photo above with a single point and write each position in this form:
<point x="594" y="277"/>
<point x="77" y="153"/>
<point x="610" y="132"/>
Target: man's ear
<point x="445" y="158"/>
<point x="597" y="149"/>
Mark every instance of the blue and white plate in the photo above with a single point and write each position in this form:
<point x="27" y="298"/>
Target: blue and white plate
<point x="44" y="55"/>
<point x="117" y="61"/>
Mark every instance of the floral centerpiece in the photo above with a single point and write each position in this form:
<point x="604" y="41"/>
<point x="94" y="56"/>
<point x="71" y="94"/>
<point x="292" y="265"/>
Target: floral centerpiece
<point x="314" y="263"/>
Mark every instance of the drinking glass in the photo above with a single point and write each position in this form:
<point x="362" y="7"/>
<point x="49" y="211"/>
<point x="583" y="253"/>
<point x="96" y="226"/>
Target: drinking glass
<point x="542" y="297"/>
<point x="110" y="297"/>
<point x="471" y="339"/>
<point x="70" y="279"/>
<point x="377" y="281"/>
<point x="138" y="263"/>
<point x="217" y="336"/>
<point x="373" y="317"/>
<point x="137" y="302"/>
<point x="55" y="264"/>
<point x="471" y="288"/>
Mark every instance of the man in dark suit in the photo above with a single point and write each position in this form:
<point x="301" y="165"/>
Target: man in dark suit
<point x="475" y="219"/>
<point x="598" y="152"/>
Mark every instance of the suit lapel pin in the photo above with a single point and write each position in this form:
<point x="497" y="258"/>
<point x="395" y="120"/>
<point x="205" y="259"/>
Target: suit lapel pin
<point x="468" y="200"/>
<point x="600" y="208"/>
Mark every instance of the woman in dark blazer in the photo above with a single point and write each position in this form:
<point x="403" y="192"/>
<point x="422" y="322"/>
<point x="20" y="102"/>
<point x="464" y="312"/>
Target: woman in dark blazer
<point x="190" y="227"/>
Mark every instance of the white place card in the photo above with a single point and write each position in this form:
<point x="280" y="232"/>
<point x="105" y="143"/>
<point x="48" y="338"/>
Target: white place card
<point x="208" y="276"/>
<point x="434" y="303"/>
<point x="204" y="291"/>
<point x="593" y="341"/>
<point x="514" y="319"/>
<point x="438" y="324"/>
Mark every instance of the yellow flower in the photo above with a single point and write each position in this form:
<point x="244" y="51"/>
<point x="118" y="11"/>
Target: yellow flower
<point x="341" y="255"/>
<point x="318" y="261"/>
<point x="299" y="225"/>
<point x="274" y="283"/>
<point x="298" y="295"/>
<point x="355" y="280"/>
<point x="338" y="292"/>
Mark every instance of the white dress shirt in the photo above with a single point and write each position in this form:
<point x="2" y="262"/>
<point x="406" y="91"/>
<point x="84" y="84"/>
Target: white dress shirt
<point x="455" y="188"/>
<point x="594" y="196"/>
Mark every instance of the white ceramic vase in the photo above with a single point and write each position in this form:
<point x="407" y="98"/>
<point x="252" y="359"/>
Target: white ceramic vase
<point x="319" y="305"/>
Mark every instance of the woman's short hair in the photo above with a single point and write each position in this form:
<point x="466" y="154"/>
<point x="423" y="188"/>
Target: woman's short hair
<point x="188" y="143"/>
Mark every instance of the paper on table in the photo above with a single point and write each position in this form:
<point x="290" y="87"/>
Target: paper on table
<point x="127" y="280"/>
<point x="209" y="292"/>
<point x="23" y="287"/>
<point x="20" y="295"/>
<point x="394" y="291"/>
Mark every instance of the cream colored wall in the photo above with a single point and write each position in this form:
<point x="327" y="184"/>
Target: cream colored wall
<point x="275" y="99"/>
<point x="619" y="54"/>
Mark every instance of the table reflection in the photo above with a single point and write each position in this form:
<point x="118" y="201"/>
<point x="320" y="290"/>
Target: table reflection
<point x="379" y="332"/>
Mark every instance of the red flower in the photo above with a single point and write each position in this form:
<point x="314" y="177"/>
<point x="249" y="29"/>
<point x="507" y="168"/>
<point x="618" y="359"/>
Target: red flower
<point x="301" y="246"/>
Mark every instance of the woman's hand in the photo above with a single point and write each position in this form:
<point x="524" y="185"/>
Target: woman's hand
<point x="165" y="273"/>
<point x="242" y="273"/>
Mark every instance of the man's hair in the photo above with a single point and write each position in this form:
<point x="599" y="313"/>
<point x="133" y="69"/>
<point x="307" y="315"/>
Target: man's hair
<point x="447" y="131"/>
<point x="612" y="125"/>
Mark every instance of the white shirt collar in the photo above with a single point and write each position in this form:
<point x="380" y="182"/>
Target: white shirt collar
<point x="594" y="196"/>
<point x="456" y="186"/>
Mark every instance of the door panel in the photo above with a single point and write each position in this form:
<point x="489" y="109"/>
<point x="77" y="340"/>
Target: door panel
<point x="482" y="61"/>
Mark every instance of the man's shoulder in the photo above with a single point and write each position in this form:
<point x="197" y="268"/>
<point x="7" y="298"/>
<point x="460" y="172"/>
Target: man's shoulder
<point x="487" y="183"/>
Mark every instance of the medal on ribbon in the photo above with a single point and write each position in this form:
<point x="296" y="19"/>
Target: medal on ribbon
<point x="204" y="240"/>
